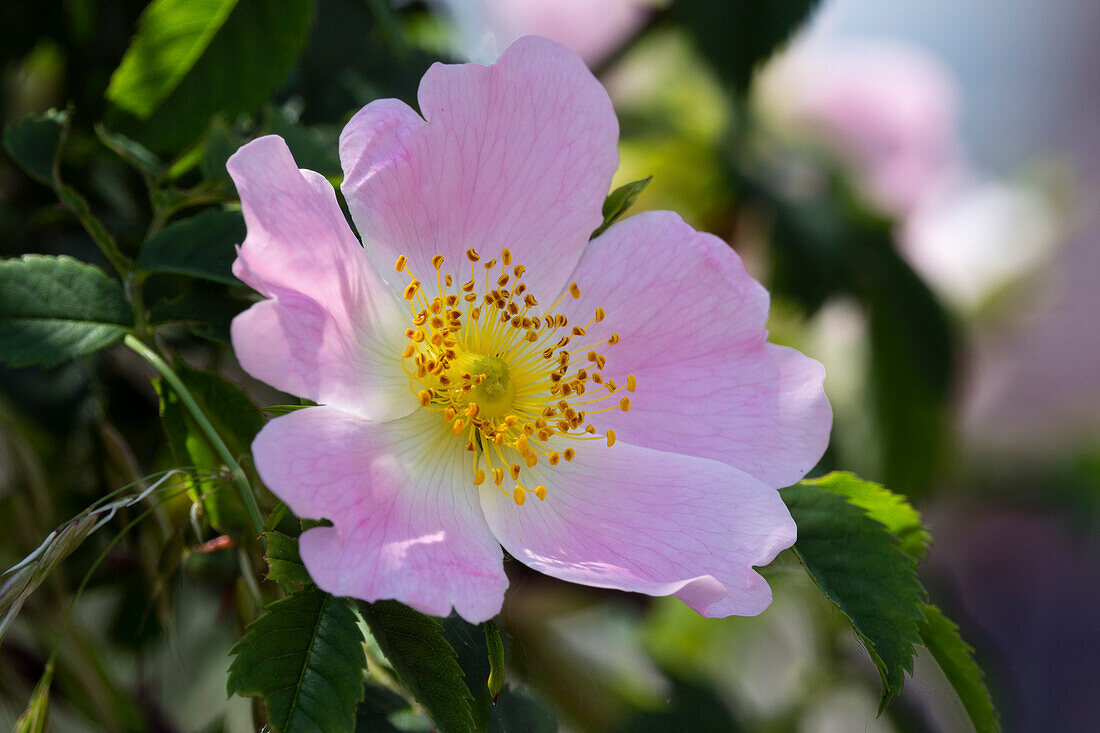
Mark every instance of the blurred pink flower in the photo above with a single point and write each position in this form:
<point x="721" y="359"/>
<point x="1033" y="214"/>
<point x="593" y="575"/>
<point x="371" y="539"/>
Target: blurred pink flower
<point x="889" y="110"/>
<point x="611" y="412"/>
<point x="593" y="29"/>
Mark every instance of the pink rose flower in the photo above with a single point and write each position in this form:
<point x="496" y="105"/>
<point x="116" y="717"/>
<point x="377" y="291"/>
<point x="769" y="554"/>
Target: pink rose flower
<point x="608" y="411"/>
<point x="889" y="110"/>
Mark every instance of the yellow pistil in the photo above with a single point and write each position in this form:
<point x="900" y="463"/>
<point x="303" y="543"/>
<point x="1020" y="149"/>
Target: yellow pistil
<point x="502" y="373"/>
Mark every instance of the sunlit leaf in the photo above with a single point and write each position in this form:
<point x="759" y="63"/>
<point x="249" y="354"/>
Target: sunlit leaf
<point x="619" y="201"/>
<point x="304" y="657"/>
<point x="173" y="77"/>
<point x="53" y="309"/>
<point x="882" y="505"/>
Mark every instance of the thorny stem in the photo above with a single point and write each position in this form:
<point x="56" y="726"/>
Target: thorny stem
<point x="235" y="470"/>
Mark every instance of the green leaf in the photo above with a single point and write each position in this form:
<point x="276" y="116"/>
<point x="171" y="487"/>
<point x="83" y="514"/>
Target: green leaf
<point x="205" y="309"/>
<point x="316" y="147"/>
<point x="200" y="246"/>
<point x="956" y="658"/>
<point x="218" y="144"/>
<point x="173" y="77"/>
<point x="53" y="309"/>
<point x="495" y="646"/>
<point x="171" y="37"/>
<point x="883" y="506"/>
<point x="735" y="36"/>
<point x="304" y="657"/>
<point x="35" y="719"/>
<point x="858" y="564"/>
<point x="134" y="153"/>
<point x="619" y="201"/>
<point x="34" y="141"/>
<point x="235" y="420"/>
<point x="284" y="564"/>
<point x="424" y="660"/>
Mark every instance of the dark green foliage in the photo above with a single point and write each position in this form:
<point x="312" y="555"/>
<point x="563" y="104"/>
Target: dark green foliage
<point x="859" y="565"/>
<point x="304" y="657"/>
<point x="284" y="564"/>
<point x="201" y="246"/>
<point x="376" y="707"/>
<point x="424" y="661"/>
<point x="316" y="147"/>
<point x="134" y="153"/>
<point x="53" y="309"/>
<point x="236" y="421"/>
<point x="33" y="143"/>
<point x="735" y="36"/>
<point x="829" y="246"/>
<point x="619" y="201"/>
<point x="956" y="658"/>
<point x="173" y="77"/>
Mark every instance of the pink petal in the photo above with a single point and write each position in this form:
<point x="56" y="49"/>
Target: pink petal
<point x="519" y="155"/>
<point x="331" y="330"/>
<point x="640" y="520"/>
<point x="691" y="322"/>
<point x="407" y="524"/>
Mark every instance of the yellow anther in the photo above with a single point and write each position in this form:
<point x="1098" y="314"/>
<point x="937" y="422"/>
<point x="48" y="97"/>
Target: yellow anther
<point x="514" y="471"/>
<point x="518" y="270"/>
<point x="521" y="443"/>
<point x="400" y="264"/>
<point x="498" y="475"/>
<point x="472" y="409"/>
<point x="425" y="397"/>
<point x="459" y="424"/>
<point x="479" y="477"/>
<point x="529" y="301"/>
<point x="569" y="454"/>
<point x="599" y="315"/>
<point x="540" y="492"/>
<point x="610" y="437"/>
<point x="448" y="414"/>
<point x="624" y="404"/>
<point x="506" y="256"/>
<point x="574" y="291"/>
<point x="631" y="383"/>
<point x="531" y="459"/>
<point x="437" y="261"/>
<point x="613" y="339"/>
<point x="520" y="495"/>
<point x="472" y="256"/>
<point x="510" y="420"/>
<point x="408" y="352"/>
<point x="553" y="458"/>
<point x="411" y="288"/>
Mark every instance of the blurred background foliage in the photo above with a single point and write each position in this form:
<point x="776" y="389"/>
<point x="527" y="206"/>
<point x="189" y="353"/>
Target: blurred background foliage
<point x="862" y="173"/>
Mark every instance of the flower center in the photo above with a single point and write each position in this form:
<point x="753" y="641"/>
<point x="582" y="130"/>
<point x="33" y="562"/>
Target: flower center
<point x="504" y="374"/>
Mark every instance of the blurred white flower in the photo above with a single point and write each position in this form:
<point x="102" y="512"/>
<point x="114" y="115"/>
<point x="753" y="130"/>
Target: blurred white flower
<point x="887" y="110"/>
<point x="969" y="242"/>
<point x="591" y="28"/>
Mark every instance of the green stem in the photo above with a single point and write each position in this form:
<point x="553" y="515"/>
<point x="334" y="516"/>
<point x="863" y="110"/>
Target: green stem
<point x="235" y="470"/>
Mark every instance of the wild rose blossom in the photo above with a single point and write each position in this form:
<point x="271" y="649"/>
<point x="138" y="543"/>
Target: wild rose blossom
<point x="608" y="411"/>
